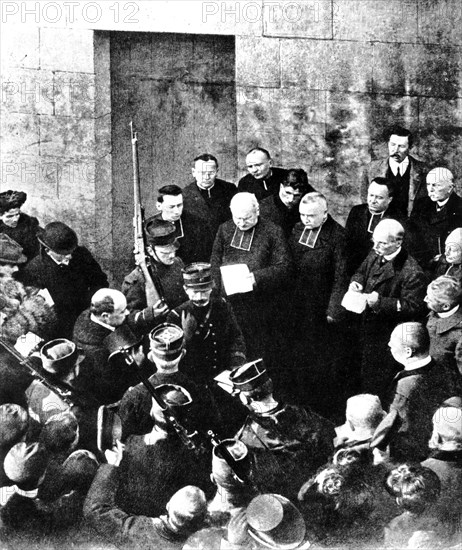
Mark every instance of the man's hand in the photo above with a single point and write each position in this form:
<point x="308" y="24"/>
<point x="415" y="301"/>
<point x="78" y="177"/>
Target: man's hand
<point x="140" y="258"/>
<point x="237" y="529"/>
<point x="188" y="324"/>
<point x="114" y="456"/>
<point x="372" y="299"/>
<point x="355" y="287"/>
<point x="330" y="320"/>
<point x="160" y="308"/>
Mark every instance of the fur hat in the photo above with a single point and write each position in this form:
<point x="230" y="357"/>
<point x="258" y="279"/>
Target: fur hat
<point x="59" y="237"/>
<point x="11" y="199"/>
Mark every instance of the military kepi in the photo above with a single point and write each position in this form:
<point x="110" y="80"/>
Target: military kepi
<point x="250" y="376"/>
<point x="198" y="276"/>
<point x="159" y="232"/>
<point x="166" y="341"/>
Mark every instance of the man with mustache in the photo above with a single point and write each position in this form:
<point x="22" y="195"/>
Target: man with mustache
<point x="406" y="173"/>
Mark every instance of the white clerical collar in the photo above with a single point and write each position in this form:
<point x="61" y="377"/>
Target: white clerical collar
<point x="391" y="256"/>
<point x="63" y="262"/>
<point x="445" y="314"/>
<point x="102" y="323"/>
<point x="442" y="203"/>
<point x="419" y="363"/>
<point x="401" y="165"/>
<point x="208" y="189"/>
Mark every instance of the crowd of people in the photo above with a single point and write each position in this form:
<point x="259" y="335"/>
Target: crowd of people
<point x="263" y="378"/>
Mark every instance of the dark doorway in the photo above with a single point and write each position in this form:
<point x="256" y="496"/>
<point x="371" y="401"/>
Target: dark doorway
<point x="179" y="90"/>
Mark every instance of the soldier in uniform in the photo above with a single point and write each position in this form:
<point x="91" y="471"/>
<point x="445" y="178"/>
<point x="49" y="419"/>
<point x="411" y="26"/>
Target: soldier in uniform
<point x="289" y="442"/>
<point x="158" y="464"/>
<point x="166" y="353"/>
<point x="165" y="269"/>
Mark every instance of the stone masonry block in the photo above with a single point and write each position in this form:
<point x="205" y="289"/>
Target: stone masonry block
<point x="440" y="22"/>
<point x="302" y="19"/>
<point x="66" y="50"/>
<point x="74" y="95"/>
<point x="27" y="91"/>
<point x="417" y="69"/>
<point x="19" y="133"/>
<point x="19" y="46"/>
<point x="326" y="65"/>
<point x="257" y="62"/>
<point x="67" y="137"/>
<point x="387" y="21"/>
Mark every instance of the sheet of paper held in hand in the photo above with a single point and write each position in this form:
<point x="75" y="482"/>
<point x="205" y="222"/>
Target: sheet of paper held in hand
<point x="236" y="279"/>
<point x="224" y="382"/>
<point x="354" y="301"/>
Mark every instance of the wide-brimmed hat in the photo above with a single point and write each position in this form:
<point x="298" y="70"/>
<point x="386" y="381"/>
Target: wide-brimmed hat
<point x="10" y="251"/>
<point x="166" y="341"/>
<point x="159" y="232"/>
<point x="120" y="340"/>
<point x="275" y="522"/>
<point x="198" y="276"/>
<point x="250" y="376"/>
<point x="59" y="237"/>
<point x="59" y="356"/>
<point x="11" y="199"/>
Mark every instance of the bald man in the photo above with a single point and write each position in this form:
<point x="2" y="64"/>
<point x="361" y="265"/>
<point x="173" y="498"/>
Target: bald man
<point x="394" y="286"/>
<point x="433" y="218"/>
<point x="261" y="246"/>
<point x="451" y="261"/>
<point x="108" y="310"/>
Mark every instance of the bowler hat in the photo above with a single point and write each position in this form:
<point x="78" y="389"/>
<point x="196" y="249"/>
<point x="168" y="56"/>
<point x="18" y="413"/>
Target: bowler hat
<point x="159" y="232"/>
<point x="10" y="251"/>
<point x="109" y="427"/>
<point x="59" y="356"/>
<point x="275" y="522"/>
<point x="59" y="237"/>
<point x="250" y="376"/>
<point x="25" y="464"/>
<point x="166" y="341"/>
<point x="120" y="340"/>
<point x="11" y="199"/>
<point x="198" y="276"/>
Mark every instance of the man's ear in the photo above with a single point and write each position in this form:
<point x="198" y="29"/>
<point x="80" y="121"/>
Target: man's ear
<point x="159" y="206"/>
<point x="193" y="172"/>
<point x="446" y="307"/>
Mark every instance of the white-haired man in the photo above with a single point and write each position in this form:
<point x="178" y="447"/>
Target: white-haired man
<point x="450" y="262"/>
<point x="434" y="217"/>
<point x="394" y="287"/>
<point x="260" y="245"/>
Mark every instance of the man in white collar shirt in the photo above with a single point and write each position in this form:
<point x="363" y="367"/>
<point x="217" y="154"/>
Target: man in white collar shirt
<point x="434" y="217"/>
<point x="394" y="286"/>
<point x="450" y="262"/>
<point x="406" y="173"/>
<point x="419" y="389"/>
<point x="258" y="248"/>
<point x="263" y="178"/>
<point x="445" y="321"/>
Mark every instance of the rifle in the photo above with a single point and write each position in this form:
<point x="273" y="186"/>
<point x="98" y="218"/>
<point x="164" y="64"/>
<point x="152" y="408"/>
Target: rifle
<point x="68" y="394"/>
<point x="189" y="439"/>
<point x="154" y="297"/>
<point x="237" y="467"/>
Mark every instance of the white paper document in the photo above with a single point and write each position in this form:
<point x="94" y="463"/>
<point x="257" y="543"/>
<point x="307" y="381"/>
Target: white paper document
<point x="236" y="279"/>
<point x="44" y="293"/>
<point x="224" y="382"/>
<point x="27" y="342"/>
<point x="354" y="301"/>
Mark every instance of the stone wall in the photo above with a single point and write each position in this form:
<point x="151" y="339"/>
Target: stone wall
<point x="316" y="83"/>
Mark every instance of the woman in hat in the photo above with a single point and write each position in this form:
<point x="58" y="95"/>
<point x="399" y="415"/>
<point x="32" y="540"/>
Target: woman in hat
<point x="17" y="225"/>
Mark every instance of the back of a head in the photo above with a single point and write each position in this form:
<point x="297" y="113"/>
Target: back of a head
<point x="243" y="200"/>
<point x="14" y="422"/>
<point x="447" y="429"/>
<point x="389" y="229"/>
<point x="104" y="300"/>
<point x="315" y="198"/>
<point x="364" y="412"/>
<point x="415" y="336"/>
<point x="416" y="488"/>
<point x="187" y="508"/>
<point x="447" y="290"/>
<point x="25" y="465"/>
<point x="60" y="433"/>
<point x="297" y="179"/>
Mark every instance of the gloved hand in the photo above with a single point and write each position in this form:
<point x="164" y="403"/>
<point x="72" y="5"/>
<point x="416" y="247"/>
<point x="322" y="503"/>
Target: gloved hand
<point x="188" y="324"/>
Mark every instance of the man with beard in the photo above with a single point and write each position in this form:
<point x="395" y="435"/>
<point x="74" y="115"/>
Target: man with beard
<point x="406" y="173"/>
<point x="282" y="208"/>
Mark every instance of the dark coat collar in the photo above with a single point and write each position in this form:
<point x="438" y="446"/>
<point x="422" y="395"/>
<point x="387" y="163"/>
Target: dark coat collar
<point x="414" y="372"/>
<point x="447" y="456"/>
<point x="443" y="324"/>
